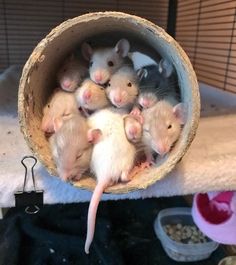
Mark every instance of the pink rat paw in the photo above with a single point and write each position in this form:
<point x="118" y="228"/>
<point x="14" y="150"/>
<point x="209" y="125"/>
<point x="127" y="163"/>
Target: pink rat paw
<point x="137" y="114"/>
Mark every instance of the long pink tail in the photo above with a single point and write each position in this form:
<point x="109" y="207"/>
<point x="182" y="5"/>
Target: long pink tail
<point x="93" y="206"/>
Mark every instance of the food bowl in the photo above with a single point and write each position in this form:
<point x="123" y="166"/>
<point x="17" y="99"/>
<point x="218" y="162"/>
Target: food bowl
<point x="185" y="242"/>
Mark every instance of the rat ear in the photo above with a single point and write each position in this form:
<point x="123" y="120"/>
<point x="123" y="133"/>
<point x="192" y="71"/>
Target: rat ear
<point x="165" y="68"/>
<point x="94" y="135"/>
<point x="122" y="47"/>
<point x="87" y="51"/>
<point x="180" y="111"/>
<point x="142" y="73"/>
<point x="57" y="123"/>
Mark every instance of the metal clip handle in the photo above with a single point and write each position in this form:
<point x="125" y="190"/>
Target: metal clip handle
<point x="26" y="170"/>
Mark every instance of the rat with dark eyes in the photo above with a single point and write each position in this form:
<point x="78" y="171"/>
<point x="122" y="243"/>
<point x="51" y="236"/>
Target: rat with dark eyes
<point x="156" y="82"/>
<point x="91" y="97"/>
<point x="103" y="62"/>
<point x="71" y="73"/>
<point x="162" y="127"/>
<point x="123" y="88"/>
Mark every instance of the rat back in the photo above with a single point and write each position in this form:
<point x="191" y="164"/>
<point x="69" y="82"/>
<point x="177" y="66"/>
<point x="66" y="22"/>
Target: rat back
<point x="113" y="154"/>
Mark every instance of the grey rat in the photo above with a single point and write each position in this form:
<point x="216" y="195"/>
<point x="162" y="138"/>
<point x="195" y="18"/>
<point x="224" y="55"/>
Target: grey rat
<point x="157" y="82"/>
<point x="72" y="72"/>
<point x="91" y="96"/>
<point x="61" y="104"/>
<point x="103" y="62"/>
<point x="115" y="163"/>
<point x="123" y="87"/>
<point x="162" y="126"/>
<point x="71" y="146"/>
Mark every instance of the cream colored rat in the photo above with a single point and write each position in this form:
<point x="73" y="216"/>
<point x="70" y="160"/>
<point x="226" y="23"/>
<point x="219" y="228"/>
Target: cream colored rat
<point x="103" y="62"/>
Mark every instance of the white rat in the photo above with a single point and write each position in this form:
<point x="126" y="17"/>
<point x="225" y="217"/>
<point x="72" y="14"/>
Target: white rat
<point x="91" y="96"/>
<point x="123" y="89"/>
<point x="162" y="126"/>
<point x="71" y="73"/>
<point x="112" y="159"/>
<point x="71" y="146"/>
<point x="103" y="62"/>
<point x="61" y="104"/>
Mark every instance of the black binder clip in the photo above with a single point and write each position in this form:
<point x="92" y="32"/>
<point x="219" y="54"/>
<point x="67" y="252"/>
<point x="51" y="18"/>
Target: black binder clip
<point x="32" y="200"/>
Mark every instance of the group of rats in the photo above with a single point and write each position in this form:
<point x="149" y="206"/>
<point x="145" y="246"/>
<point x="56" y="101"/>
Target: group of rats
<point x="105" y="112"/>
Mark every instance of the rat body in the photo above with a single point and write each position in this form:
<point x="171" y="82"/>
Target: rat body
<point x="115" y="163"/>
<point x="123" y="88"/>
<point x="71" y="73"/>
<point x="103" y="62"/>
<point x="91" y="96"/>
<point x="71" y="147"/>
<point x="61" y="104"/>
<point x="162" y="126"/>
<point x="157" y="82"/>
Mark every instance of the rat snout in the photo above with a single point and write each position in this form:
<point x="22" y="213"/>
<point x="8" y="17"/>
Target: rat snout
<point x="66" y="84"/>
<point x="87" y="95"/>
<point x="98" y="77"/>
<point x="144" y="102"/>
<point x="117" y="98"/>
<point x="162" y="149"/>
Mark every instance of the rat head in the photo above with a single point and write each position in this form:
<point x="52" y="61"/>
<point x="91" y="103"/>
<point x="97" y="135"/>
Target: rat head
<point x="91" y="96"/>
<point x="72" y="147"/>
<point x="162" y="126"/>
<point x="103" y="62"/>
<point x="133" y="128"/>
<point x="71" y="73"/>
<point x="122" y="89"/>
<point x="156" y="81"/>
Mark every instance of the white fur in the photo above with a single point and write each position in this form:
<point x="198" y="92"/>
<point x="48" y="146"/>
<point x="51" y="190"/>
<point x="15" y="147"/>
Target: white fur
<point x="113" y="154"/>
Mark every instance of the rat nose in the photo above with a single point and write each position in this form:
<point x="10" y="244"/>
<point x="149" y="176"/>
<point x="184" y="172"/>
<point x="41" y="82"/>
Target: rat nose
<point x="145" y="102"/>
<point x="98" y="77"/>
<point x="162" y="149"/>
<point x="66" y="83"/>
<point x="87" y="94"/>
<point x="117" y="99"/>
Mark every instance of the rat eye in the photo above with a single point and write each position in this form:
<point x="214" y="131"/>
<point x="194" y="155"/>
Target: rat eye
<point x="109" y="84"/>
<point x="90" y="63"/>
<point x="169" y="127"/>
<point x="110" y="63"/>
<point x="129" y="84"/>
<point x="78" y="156"/>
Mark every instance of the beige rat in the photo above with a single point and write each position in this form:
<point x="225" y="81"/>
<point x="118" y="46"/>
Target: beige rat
<point x="91" y="96"/>
<point x="72" y="72"/>
<point x="123" y="89"/>
<point x="61" y="104"/>
<point x="71" y="146"/>
<point x="162" y="126"/>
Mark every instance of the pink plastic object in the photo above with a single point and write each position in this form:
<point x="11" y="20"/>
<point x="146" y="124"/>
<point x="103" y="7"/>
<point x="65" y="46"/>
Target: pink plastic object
<point x="215" y="215"/>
